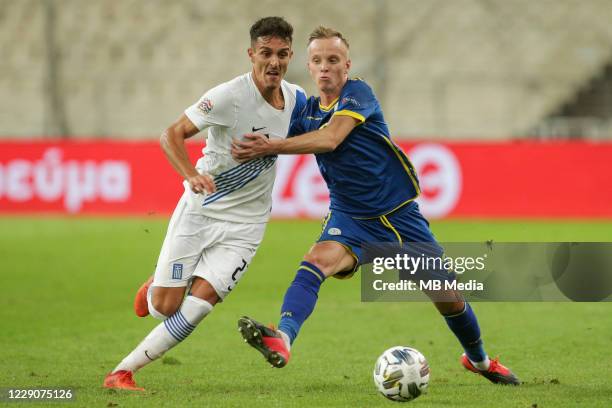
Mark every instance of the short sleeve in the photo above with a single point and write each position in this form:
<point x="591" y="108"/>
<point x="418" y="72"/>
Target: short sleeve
<point x="357" y="100"/>
<point x="215" y="108"/>
<point x="295" y="126"/>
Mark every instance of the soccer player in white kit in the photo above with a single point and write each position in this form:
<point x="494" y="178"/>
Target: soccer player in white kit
<point x="220" y="220"/>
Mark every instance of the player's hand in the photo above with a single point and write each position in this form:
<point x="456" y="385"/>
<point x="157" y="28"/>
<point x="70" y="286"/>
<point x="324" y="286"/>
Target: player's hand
<point x="202" y="184"/>
<point x="253" y="146"/>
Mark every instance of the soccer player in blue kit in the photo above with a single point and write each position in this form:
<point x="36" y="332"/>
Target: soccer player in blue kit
<point x="372" y="187"/>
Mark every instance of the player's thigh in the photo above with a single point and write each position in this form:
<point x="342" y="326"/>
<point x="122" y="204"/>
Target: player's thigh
<point x="222" y="265"/>
<point x="330" y="257"/>
<point x="411" y="225"/>
<point x="419" y="240"/>
<point x="187" y="236"/>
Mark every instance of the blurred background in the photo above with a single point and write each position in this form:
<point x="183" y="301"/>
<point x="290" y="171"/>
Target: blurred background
<point x="477" y="69"/>
<point x="469" y="75"/>
<point x="503" y="106"/>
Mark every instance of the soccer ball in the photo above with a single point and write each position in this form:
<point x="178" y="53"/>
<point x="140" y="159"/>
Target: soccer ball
<point x="401" y="373"/>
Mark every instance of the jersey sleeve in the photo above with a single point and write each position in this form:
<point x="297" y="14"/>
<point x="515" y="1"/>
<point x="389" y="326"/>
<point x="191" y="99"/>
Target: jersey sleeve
<point x="215" y="108"/>
<point x="295" y="126"/>
<point x="357" y="100"/>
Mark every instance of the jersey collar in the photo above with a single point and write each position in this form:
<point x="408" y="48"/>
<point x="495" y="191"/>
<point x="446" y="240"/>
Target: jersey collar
<point x="328" y="107"/>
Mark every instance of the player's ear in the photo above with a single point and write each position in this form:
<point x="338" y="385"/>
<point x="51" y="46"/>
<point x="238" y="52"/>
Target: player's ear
<point x="251" y="53"/>
<point x="348" y="65"/>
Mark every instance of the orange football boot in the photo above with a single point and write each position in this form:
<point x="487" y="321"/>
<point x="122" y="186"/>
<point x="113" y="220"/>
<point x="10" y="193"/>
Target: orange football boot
<point x="266" y="340"/>
<point x="122" y="380"/>
<point x="141" y="306"/>
<point x="497" y="372"/>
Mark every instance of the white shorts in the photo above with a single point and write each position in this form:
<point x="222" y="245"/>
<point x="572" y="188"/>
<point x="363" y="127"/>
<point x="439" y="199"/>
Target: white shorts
<point x="196" y="245"/>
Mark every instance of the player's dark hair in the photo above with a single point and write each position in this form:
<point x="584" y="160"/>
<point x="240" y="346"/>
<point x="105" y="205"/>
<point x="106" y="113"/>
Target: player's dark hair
<point x="271" y="27"/>
<point x="326" y="32"/>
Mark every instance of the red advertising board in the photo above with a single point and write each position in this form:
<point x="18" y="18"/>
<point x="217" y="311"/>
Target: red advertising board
<point x="501" y="179"/>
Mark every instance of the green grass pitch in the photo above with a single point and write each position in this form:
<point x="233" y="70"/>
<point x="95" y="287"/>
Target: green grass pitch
<point x="66" y="320"/>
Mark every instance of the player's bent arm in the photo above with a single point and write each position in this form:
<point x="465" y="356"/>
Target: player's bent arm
<point x="323" y="140"/>
<point x="172" y="142"/>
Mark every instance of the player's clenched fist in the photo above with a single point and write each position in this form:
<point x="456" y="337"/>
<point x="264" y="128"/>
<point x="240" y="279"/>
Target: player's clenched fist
<point x="202" y="184"/>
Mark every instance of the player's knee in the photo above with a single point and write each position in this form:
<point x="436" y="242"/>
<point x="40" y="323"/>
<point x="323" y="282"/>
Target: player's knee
<point x="165" y="305"/>
<point x="330" y="258"/>
<point x="324" y="264"/>
<point x="450" y="308"/>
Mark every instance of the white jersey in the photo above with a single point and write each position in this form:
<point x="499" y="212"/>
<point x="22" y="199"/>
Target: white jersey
<point x="229" y="110"/>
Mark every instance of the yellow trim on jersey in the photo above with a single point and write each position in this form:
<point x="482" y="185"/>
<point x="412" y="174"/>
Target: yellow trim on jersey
<point x="407" y="166"/>
<point x="387" y="223"/>
<point x="324" y="223"/>
<point x="396" y="208"/>
<point x="350" y="251"/>
<point x="326" y="219"/>
<point x="345" y="112"/>
<point x="328" y="107"/>
<point x="306" y="268"/>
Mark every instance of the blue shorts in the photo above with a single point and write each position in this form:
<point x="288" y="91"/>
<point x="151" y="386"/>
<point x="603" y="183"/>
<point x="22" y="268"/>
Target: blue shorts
<point x="402" y="226"/>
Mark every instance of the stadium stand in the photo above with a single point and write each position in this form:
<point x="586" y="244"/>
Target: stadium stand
<point x="442" y="69"/>
<point x="587" y="113"/>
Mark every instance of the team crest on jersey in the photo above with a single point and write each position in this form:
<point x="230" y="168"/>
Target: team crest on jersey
<point x="205" y="106"/>
<point x="348" y="100"/>
<point x="177" y="271"/>
<point x="334" y="231"/>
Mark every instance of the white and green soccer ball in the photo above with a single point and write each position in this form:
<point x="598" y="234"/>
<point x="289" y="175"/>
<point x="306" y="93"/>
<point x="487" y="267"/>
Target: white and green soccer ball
<point x="401" y="373"/>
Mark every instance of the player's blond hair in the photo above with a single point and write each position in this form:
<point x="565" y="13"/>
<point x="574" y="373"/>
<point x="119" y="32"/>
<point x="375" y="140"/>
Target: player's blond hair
<point x="326" y="32"/>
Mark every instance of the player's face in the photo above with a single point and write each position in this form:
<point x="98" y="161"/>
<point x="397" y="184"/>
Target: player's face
<point x="270" y="57"/>
<point x="329" y="64"/>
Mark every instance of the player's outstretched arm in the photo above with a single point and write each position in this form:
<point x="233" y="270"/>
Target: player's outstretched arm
<point x="319" y="141"/>
<point x="172" y="142"/>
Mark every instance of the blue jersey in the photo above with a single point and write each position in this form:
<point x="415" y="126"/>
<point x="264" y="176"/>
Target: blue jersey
<point x="367" y="174"/>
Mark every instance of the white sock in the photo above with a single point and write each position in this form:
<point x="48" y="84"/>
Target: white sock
<point x="285" y="338"/>
<point x="482" y="365"/>
<point x="167" y="334"/>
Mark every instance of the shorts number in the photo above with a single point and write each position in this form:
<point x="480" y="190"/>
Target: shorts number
<point x="238" y="269"/>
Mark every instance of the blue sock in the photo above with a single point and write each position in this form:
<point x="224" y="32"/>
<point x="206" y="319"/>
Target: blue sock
<point x="465" y="326"/>
<point x="300" y="299"/>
